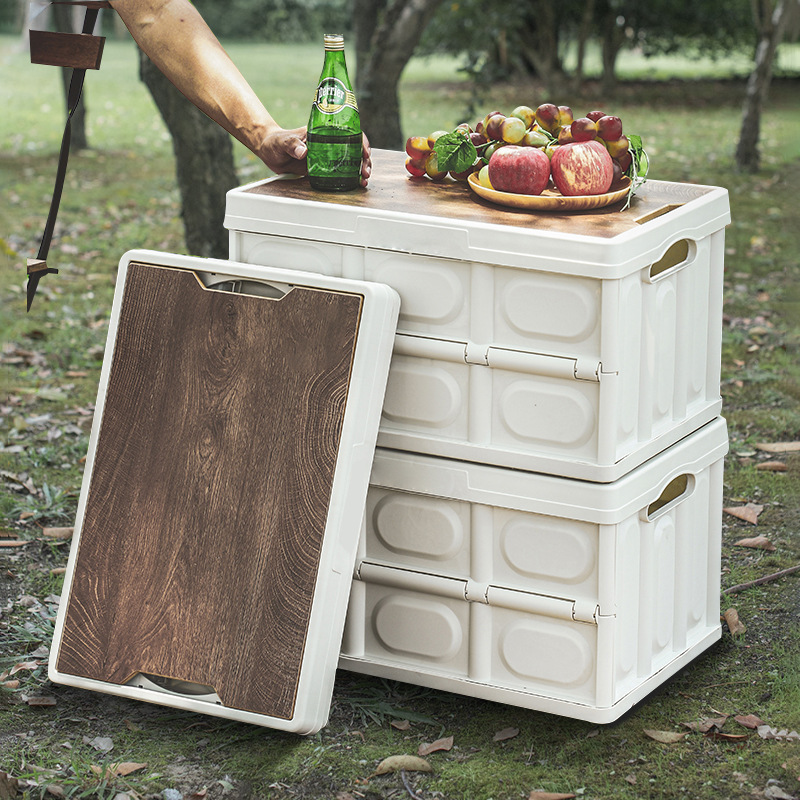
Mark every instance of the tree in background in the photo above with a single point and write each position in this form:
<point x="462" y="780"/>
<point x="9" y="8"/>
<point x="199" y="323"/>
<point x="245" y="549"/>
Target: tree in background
<point x="387" y="34"/>
<point x="204" y="164"/>
<point x="772" y="20"/>
<point x="64" y="18"/>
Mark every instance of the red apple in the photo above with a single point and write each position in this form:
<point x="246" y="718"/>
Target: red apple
<point x="582" y="168"/>
<point x="520" y="170"/>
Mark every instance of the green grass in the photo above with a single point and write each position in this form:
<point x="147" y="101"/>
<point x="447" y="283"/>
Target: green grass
<point x="121" y="195"/>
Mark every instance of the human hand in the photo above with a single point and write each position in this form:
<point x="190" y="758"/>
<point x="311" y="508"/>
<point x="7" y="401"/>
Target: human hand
<point x="284" y="151"/>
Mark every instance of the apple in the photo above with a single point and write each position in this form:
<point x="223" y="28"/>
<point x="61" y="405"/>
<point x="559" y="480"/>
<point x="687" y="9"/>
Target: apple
<point x="520" y="170"/>
<point x="582" y="168"/>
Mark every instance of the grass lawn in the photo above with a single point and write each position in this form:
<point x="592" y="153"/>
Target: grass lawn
<point x="121" y="194"/>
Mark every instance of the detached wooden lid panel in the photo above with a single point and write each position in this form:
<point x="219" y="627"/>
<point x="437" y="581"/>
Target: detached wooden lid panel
<point x="209" y="494"/>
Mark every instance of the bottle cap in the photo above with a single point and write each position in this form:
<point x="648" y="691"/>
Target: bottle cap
<point x="334" y="41"/>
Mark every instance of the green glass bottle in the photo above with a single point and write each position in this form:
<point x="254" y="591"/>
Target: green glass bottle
<point x="334" y="127"/>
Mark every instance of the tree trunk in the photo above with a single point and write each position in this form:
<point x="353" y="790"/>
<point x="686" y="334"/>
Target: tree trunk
<point x="391" y="46"/>
<point x="585" y="30"/>
<point x="771" y="25"/>
<point x="613" y="39"/>
<point x="203" y="164"/>
<point x="63" y="19"/>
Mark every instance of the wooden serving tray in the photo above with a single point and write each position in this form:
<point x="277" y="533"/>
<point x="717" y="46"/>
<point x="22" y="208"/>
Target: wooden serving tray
<point x="210" y="486"/>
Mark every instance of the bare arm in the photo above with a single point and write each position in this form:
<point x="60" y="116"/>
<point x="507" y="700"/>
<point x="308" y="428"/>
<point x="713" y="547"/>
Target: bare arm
<point x="181" y="45"/>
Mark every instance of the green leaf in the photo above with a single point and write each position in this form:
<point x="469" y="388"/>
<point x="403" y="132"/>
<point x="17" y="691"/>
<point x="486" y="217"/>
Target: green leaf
<point x="639" y="166"/>
<point x="454" y="152"/>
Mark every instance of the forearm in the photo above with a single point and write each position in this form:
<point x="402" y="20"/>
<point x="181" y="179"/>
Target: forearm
<point x="178" y="41"/>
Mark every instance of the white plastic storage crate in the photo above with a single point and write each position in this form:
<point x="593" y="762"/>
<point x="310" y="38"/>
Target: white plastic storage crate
<point x="572" y="344"/>
<point x="563" y="596"/>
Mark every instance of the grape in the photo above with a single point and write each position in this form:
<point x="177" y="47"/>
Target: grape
<point x="433" y="137"/>
<point x="535" y="138"/>
<point x="494" y="126"/>
<point x="483" y="177"/>
<point x="624" y="160"/>
<point x="512" y="130"/>
<point x="565" y="135"/>
<point x="415" y="167"/>
<point x="487" y="153"/>
<point x="584" y="130"/>
<point x="618" y="146"/>
<point x="461" y="177"/>
<point x="432" y="168"/>
<point x="609" y="128"/>
<point x="477" y="138"/>
<point x="547" y="116"/>
<point x="525" y="113"/>
<point x="417" y="147"/>
<point x="595" y="115"/>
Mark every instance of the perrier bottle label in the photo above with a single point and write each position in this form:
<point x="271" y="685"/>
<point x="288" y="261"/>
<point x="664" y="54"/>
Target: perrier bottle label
<point x="334" y="126"/>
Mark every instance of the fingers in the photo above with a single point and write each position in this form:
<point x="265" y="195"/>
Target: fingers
<point x="366" y="159"/>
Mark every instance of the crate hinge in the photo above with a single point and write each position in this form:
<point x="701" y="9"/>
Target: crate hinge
<point x="477" y="592"/>
<point x="461" y="352"/>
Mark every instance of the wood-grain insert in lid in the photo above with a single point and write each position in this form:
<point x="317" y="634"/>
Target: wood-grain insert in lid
<point x="210" y="488"/>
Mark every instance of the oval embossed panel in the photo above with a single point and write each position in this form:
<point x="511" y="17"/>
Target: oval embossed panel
<point x="544" y="651"/>
<point x="550" y="548"/>
<point x="286" y="254"/>
<point x="420" y="393"/>
<point x="416" y="626"/>
<point x="429" y="293"/>
<point x="413" y="525"/>
<point x="551" y="308"/>
<point x="543" y="413"/>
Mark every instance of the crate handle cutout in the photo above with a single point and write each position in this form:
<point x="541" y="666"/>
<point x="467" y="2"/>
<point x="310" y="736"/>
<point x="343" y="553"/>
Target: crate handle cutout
<point x="659" y="212"/>
<point x="678" y="255"/>
<point x="161" y="683"/>
<point x="676" y="491"/>
<point x="226" y="283"/>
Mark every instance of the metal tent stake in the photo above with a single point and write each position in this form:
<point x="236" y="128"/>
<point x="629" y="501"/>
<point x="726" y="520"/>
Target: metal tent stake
<point x="81" y="51"/>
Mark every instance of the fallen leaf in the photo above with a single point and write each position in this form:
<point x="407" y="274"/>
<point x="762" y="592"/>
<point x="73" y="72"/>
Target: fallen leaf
<point x="102" y="743"/>
<point x="400" y="724"/>
<point x="24" y="665"/>
<point x="665" y="737"/>
<point x="748" y="513"/>
<point x="758" y="542"/>
<point x="735" y="625"/>
<point x="13" y="542"/>
<point x="433" y="747"/>
<point x="506" y="733"/>
<point x="404" y="762"/>
<point x="55" y="790"/>
<point x="774" y="792"/>
<point x="57" y="533"/>
<point x="550" y="796"/>
<point x="714" y="733"/>
<point x="631" y="779"/>
<point x="9" y="685"/>
<point x="705" y="725"/>
<point x="198" y="795"/>
<point x="768" y="732"/>
<point x="771" y="466"/>
<point x="8" y="786"/>
<point x="779" y="447"/>
<point x="41" y="700"/>
<point x="749" y="721"/>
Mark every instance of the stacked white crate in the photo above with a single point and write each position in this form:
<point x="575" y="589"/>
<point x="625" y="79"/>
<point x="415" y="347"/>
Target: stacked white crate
<point x="571" y="356"/>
